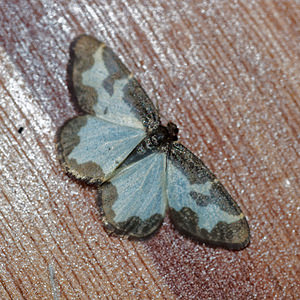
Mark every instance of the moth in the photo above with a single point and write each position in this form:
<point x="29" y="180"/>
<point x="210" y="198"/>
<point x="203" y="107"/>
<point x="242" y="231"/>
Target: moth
<point x="140" y="169"/>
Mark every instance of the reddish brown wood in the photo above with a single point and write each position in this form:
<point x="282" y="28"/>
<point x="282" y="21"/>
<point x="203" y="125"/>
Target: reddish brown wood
<point x="227" y="73"/>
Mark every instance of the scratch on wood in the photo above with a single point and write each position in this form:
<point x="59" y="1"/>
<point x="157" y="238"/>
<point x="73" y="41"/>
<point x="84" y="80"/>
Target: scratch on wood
<point x="53" y="284"/>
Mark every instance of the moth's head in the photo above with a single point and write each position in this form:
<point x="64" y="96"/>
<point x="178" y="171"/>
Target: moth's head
<point x="172" y="131"/>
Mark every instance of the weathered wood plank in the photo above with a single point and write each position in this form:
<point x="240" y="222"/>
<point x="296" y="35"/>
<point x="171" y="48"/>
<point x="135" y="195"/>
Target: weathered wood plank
<point x="227" y="73"/>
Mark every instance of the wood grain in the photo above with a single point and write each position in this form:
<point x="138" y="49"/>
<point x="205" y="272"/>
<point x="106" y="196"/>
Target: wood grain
<point x="227" y="73"/>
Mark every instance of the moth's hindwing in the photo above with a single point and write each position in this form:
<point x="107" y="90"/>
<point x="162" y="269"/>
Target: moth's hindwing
<point x="90" y="148"/>
<point x="118" y="112"/>
<point x="134" y="201"/>
<point x="199" y="204"/>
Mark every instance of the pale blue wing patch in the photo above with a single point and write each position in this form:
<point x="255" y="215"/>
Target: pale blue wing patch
<point x="200" y="205"/>
<point x="91" y="148"/>
<point x="110" y="104"/>
<point x="134" y="201"/>
<point x="181" y="193"/>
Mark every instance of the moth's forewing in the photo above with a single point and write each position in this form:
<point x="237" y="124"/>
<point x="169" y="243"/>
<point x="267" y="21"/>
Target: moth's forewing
<point x="103" y="86"/>
<point x="199" y="204"/>
<point x="134" y="201"/>
<point x="119" y="113"/>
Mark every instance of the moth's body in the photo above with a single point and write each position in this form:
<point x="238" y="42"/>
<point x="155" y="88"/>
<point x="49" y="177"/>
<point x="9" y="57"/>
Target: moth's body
<point x="162" y="136"/>
<point x="140" y="168"/>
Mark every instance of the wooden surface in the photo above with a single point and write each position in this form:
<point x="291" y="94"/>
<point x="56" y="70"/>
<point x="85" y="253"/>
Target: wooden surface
<point x="227" y="73"/>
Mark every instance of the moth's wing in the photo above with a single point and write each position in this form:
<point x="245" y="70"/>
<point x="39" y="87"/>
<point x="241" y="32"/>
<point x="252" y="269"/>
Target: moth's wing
<point x="134" y="201"/>
<point x="119" y="112"/>
<point x="199" y="204"/>
<point x="90" y="148"/>
<point x="104" y="87"/>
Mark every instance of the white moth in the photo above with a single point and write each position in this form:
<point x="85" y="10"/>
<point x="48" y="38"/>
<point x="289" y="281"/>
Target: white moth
<point x="141" y="171"/>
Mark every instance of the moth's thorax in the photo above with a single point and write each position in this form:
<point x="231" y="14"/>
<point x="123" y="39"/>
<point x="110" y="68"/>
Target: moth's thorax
<point x="162" y="136"/>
